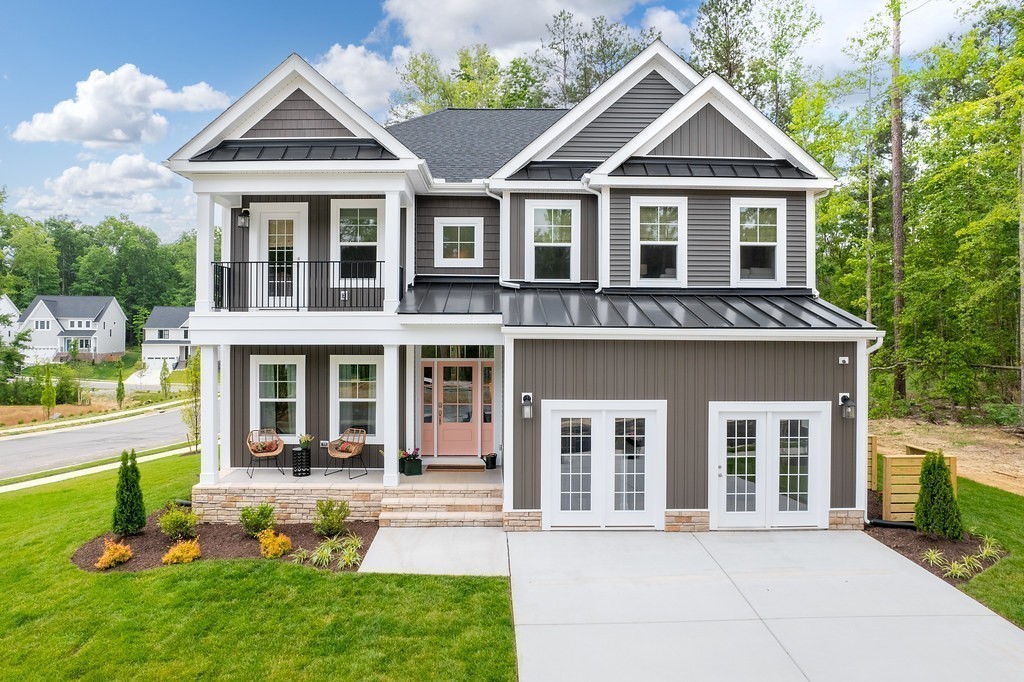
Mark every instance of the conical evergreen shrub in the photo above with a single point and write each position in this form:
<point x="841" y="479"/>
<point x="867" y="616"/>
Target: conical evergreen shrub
<point x="129" y="510"/>
<point x="937" y="512"/>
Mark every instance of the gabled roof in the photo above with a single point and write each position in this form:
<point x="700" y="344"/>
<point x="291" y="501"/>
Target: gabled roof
<point x="460" y="145"/>
<point x="77" y="307"/>
<point x="168" y="317"/>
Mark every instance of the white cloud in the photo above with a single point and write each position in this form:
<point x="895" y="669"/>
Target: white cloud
<point x="117" y="108"/>
<point x="366" y="77"/>
<point x="674" y="31"/>
<point x="126" y="175"/>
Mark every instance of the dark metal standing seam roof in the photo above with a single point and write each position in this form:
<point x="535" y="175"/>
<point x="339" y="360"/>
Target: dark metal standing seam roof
<point x="327" y="149"/>
<point x="554" y="170"/>
<point x="687" y="167"/>
<point x="564" y="307"/>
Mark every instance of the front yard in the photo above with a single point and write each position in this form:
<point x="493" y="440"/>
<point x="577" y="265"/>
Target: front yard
<point x="251" y="619"/>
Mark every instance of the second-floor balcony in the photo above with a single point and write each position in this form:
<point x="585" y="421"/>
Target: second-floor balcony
<point x="299" y="285"/>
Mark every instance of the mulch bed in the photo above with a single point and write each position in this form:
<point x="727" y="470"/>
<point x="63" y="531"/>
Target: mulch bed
<point x="216" y="541"/>
<point x="911" y="544"/>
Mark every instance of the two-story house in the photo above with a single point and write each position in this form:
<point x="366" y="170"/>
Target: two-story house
<point x="95" y="324"/>
<point x="618" y="299"/>
<point x="9" y="315"/>
<point x="165" y="337"/>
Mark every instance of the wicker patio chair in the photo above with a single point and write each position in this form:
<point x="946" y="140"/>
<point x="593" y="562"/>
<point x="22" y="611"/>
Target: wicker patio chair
<point x="264" y="444"/>
<point x="348" y="447"/>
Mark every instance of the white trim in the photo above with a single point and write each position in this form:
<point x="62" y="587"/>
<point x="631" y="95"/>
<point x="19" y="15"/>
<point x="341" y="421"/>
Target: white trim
<point x="735" y="334"/>
<point x="336" y="361"/>
<point x="511" y="405"/>
<point x="226" y="405"/>
<point x="811" y="243"/>
<point x="682" y="237"/>
<point x="819" y="485"/>
<point x="732" y="184"/>
<point x="260" y="214"/>
<point x="412" y="385"/>
<point x="334" y="253"/>
<point x="300" y="391"/>
<point x="505" y="237"/>
<point x="530" y="205"/>
<point x="387" y="415"/>
<point x="538" y="186"/>
<point x="656" y="464"/>
<point x="477" y="261"/>
<point x="781" y="244"/>
<point x="410" y="241"/>
<point x="860" y="395"/>
<point x="209" y="467"/>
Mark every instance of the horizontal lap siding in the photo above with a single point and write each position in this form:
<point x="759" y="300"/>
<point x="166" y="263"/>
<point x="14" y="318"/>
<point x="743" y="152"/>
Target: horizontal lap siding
<point x="318" y="391"/>
<point x="588" y="232"/>
<point x="298" y="116"/>
<point x="708" y="133"/>
<point x="687" y="374"/>
<point x="428" y="208"/>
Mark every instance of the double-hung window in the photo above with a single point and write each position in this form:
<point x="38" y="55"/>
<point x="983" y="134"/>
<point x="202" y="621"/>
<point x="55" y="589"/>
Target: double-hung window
<point x="354" y="379"/>
<point x="41" y="325"/>
<point x="658" y="241"/>
<point x="357" y="231"/>
<point x="759" y="242"/>
<point x="553" y="240"/>
<point x="163" y="333"/>
<point x="278" y="400"/>
<point x="459" y="242"/>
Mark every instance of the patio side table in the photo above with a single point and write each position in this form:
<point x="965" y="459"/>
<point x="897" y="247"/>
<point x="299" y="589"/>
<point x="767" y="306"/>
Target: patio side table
<point x="301" y="463"/>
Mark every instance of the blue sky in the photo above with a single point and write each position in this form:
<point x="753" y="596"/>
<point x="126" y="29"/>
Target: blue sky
<point x="142" y="78"/>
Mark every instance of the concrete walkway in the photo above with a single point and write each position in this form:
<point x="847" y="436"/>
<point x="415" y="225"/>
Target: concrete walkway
<point x="85" y="472"/>
<point x="744" y="606"/>
<point x="438" y="551"/>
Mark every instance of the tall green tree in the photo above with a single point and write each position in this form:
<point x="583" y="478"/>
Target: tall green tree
<point x="71" y="239"/>
<point x="779" y="71"/>
<point x="191" y="411"/>
<point x="129" y="507"/>
<point x="165" y="379"/>
<point x="724" y="35"/>
<point x="12" y="351"/>
<point x="898" y="233"/>
<point x="33" y="266"/>
<point x="119" y="395"/>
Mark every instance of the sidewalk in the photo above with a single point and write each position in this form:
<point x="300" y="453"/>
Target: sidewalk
<point x="85" y="472"/>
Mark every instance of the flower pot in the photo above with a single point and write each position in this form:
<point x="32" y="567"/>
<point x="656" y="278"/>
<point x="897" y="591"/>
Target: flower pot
<point x="413" y="467"/>
<point x="401" y="465"/>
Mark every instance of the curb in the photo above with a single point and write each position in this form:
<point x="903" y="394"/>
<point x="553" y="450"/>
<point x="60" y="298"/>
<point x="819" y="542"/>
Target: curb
<point x="56" y="478"/>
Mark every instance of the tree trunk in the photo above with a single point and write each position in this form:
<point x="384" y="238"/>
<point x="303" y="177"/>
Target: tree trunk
<point x="898" y="237"/>
<point x="871" y="208"/>
<point x="1020" y="253"/>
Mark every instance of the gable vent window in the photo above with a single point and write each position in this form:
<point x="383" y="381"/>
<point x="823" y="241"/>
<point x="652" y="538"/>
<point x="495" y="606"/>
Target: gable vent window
<point x="758" y="242"/>
<point x="658" y="241"/>
<point x="553" y="240"/>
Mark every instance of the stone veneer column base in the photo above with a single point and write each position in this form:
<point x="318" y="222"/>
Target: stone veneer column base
<point x="521" y="521"/>
<point x="846" y="519"/>
<point x="687" y="520"/>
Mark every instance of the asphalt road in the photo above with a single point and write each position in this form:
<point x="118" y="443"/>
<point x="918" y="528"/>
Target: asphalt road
<point x="28" y="454"/>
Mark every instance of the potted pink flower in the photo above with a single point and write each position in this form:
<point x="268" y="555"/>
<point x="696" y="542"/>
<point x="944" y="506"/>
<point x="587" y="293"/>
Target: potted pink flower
<point x="409" y="462"/>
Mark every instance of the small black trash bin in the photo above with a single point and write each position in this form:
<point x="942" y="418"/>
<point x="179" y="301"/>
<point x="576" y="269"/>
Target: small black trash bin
<point x="490" y="460"/>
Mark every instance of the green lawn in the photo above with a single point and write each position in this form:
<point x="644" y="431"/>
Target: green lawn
<point x="244" y="619"/>
<point x="999" y="514"/>
<point x="107" y="371"/>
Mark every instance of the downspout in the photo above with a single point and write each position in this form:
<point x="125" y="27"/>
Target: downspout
<point x="602" y="253"/>
<point x="488" y="192"/>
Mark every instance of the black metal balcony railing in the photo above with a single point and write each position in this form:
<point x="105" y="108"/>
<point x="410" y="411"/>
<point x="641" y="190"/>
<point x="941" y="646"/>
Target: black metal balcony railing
<point x="298" y="285"/>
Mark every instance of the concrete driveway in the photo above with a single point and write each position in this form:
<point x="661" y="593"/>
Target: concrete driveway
<point x="807" y="605"/>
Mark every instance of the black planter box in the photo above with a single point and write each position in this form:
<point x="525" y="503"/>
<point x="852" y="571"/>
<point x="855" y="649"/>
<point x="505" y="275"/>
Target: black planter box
<point x="413" y="467"/>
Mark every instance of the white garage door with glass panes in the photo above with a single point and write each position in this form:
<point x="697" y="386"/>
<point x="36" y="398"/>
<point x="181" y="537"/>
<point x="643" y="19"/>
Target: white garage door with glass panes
<point x="769" y="465"/>
<point x="604" y="464"/>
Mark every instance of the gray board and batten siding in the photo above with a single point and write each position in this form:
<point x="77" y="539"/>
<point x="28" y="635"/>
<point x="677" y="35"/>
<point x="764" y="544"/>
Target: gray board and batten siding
<point x="709" y="133"/>
<point x="428" y="208"/>
<point x="298" y="116"/>
<point x="318" y="391"/>
<point x="589" y="239"/>
<point x="708" y="234"/>
<point x="620" y="122"/>
<point x="688" y="374"/>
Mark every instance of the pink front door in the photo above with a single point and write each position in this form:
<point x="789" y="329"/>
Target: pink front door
<point x="458" y="408"/>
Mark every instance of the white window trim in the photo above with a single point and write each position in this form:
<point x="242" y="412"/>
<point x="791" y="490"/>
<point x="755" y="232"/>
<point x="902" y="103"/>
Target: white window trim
<point x="574" y="248"/>
<point x="336" y="205"/>
<point x="478" y="243"/>
<point x="337" y="361"/>
<point x="300" y="391"/>
<point x="634" y="241"/>
<point x="781" y="250"/>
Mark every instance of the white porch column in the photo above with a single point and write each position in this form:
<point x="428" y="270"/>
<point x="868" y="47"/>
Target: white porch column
<point x="861" y="399"/>
<point x="410" y="243"/>
<point x="225" y="233"/>
<point x="205" y="221"/>
<point x="225" y="407"/>
<point x="392" y="248"/>
<point x="387" y="413"/>
<point x="210" y="414"/>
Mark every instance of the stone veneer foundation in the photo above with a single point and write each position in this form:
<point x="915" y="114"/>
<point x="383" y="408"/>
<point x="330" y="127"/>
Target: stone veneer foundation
<point x="846" y="519"/>
<point x="687" y="520"/>
<point x="522" y="520"/>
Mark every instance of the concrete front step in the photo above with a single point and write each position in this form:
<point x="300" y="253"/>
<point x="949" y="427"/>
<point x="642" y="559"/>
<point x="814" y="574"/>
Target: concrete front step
<point x="454" y="504"/>
<point x="415" y="519"/>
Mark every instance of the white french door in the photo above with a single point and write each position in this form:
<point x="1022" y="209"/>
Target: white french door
<point x="769" y="465"/>
<point x="604" y="464"/>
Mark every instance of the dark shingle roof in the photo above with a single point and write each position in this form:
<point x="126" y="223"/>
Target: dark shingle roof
<point x="78" y="307"/>
<point x="328" y="149"/>
<point x="168" y="317"/>
<point x="686" y="167"/>
<point x="554" y="170"/>
<point x="467" y="144"/>
<point x="562" y="307"/>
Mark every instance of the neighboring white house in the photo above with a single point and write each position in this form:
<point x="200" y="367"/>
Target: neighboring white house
<point x="96" y="323"/>
<point x="165" y="337"/>
<point x="7" y="307"/>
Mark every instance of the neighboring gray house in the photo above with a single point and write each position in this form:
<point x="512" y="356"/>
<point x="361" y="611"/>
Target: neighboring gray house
<point x="165" y="337"/>
<point x="97" y="324"/>
<point x="8" y="309"/>
<point x="619" y="300"/>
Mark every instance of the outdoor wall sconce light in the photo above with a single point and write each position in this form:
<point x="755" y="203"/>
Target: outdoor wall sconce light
<point x="847" y="408"/>
<point x="243" y="219"/>
<point x="527" y="404"/>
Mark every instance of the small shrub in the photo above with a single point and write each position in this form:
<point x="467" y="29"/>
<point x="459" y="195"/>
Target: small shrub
<point x="274" y="545"/>
<point x="182" y="552"/>
<point x="255" y="520"/>
<point x="989" y="550"/>
<point x="937" y="512"/>
<point x="934" y="557"/>
<point x="957" y="570"/>
<point x="114" y="554"/>
<point x="349" y="557"/>
<point x="972" y="562"/>
<point x="325" y="551"/>
<point x="179" y="523"/>
<point x="329" y="520"/>
<point x="129" y="509"/>
<point x="300" y="556"/>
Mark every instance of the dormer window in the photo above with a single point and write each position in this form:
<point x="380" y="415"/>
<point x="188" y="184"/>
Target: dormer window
<point x="553" y="240"/>
<point x="759" y="242"/>
<point x="658" y="241"/>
